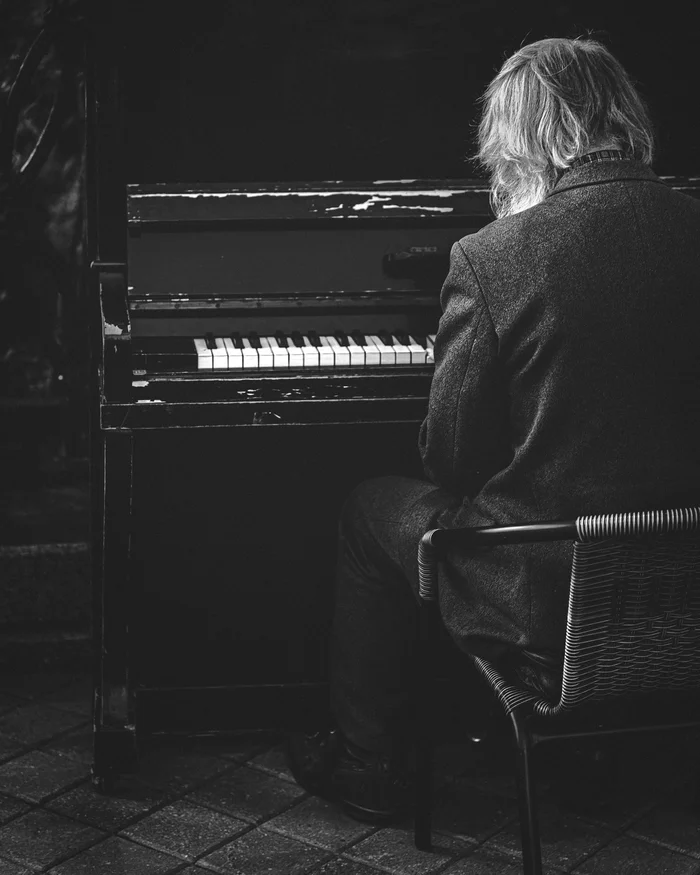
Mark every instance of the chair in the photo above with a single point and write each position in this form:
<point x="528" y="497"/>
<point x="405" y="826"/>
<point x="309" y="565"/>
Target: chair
<point x="632" y="636"/>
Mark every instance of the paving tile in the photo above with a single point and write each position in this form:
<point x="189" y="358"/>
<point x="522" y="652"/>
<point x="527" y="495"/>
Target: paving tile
<point x="185" y="830"/>
<point x="169" y="768"/>
<point x="465" y="811"/>
<point x="319" y="823"/>
<point x="259" y="852"/>
<point x="77" y="745"/>
<point x="40" y="838"/>
<point x="627" y="856"/>
<point x="566" y="839"/>
<point x="392" y="850"/>
<point x="10" y="808"/>
<point x="616" y="809"/>
<point x="248" y="794"/>
<point x="35" y="684"/>
<point x="342" y="866"/>
<point x="9" y="868"/>
<point x="483" y="862"/>
<point x="106" y="812"/>
<point x="37" y="774"/>
<point x="9" y="746"/>
<point x="37" y="722"/>
<point x="673" y="825"/>
<point x="117" y="856"/>
<point x="274" y="762"/>
<point x="76" y="697"/>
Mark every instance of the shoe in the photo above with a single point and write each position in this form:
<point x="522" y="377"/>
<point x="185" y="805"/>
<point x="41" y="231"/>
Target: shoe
<point x="370" y="788"/>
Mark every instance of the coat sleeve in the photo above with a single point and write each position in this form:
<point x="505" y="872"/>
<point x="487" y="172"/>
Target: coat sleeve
<point x="464" y="439"/>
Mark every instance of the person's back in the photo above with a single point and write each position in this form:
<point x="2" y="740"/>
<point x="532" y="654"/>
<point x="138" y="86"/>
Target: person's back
<point x="593" y="301"/>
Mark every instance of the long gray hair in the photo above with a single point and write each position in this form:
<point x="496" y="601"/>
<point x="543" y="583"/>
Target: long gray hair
<point x="552" y="101"/>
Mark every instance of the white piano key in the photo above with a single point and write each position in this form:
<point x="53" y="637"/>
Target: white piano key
<point x="342" y="356"/>
<point x="266" y="358"/>
<point x="419" y="355"/>
<point x="250" y="355"/>
<point x="280" y="354"/>
<point x="326" y="354"/>
<point x="296" y="356"/>
<point x="312" y="359"/>
<point x="219" y="355"/>
<point x="205" y="360"/>
<point x="357" y="354"/>
<point x="403" y="354"/>
<point x="235" y="355"/>
<point x="387" y="356"/>
<point x="431" y="352"/>
<point x="372" y="354"/>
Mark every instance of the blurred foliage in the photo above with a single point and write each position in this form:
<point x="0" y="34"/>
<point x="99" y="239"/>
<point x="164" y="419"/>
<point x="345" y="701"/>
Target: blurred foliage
<point x="43" y="328"/>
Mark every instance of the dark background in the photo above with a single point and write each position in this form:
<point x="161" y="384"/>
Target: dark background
<point x="223" y="91"/>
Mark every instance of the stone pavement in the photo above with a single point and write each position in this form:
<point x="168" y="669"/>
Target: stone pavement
<point x="228" y="805"/>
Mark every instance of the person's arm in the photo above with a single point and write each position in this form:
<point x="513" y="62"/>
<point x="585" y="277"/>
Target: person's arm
<point x="464" y="438"/>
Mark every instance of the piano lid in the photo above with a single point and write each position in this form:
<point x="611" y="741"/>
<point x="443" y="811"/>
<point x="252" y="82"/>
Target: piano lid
<point x="159" y="205"/>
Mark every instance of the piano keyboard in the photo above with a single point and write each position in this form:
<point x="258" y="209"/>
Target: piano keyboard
<point x="296" y="350"/>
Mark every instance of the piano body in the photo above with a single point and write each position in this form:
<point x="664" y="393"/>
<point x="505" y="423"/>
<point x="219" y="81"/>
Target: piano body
<point x="258" y="350"/>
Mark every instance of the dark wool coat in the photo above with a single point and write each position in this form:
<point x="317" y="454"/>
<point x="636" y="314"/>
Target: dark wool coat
<point x="567" y="382"/>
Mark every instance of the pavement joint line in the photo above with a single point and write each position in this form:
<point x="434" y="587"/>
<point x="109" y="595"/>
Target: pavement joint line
<point x="21" y="551"/>
<point x="669" y="846"/>
<point x="337" y="851"/>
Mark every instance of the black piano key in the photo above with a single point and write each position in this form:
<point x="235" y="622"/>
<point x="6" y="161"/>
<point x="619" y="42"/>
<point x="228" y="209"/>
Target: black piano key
<point x="359" y="338"/>
<point x="341" y="337"/>
<point x="281" y="338"/>
<point x="297" y="338"/>
<point x="314" y="339"/>
<point x="421" y="340"/>
<point x="237" y="340"/>
<point x="402" y="338"/>
<point x="210" y="340"/>
<point x="385" y="337"/>
<point x="254" y="340"/>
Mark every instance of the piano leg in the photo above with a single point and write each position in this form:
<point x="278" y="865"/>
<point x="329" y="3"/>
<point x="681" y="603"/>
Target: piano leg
<point x="114" y="723"/>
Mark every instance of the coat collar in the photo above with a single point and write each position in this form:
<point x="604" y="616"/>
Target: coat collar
<point x="604" y="171"/>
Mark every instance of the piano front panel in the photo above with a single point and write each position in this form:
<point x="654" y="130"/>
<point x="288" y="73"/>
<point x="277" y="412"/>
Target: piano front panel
<point x="309" y="262"/>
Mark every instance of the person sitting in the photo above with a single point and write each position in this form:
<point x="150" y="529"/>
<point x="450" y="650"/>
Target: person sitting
<point x="567" y="381"/>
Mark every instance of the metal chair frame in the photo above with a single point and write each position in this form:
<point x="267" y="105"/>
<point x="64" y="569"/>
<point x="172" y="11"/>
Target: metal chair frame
<point x="534" y="719"/>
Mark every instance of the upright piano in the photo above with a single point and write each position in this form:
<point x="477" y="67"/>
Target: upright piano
<point x="259" y="348"/>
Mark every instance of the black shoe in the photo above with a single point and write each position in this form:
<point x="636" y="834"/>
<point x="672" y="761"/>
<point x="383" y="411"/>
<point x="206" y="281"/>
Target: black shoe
<point x="369" y="788"/>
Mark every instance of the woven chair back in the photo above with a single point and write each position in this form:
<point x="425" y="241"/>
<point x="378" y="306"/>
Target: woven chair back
<point x="634" y="616"/>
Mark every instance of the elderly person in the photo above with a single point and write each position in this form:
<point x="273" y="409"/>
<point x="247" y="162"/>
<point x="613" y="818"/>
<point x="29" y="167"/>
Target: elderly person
<point x="567" y="381"/>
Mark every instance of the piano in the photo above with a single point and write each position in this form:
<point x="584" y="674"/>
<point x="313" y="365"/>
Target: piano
<point x="262" y="301"/>
<point x="258" y="349"/>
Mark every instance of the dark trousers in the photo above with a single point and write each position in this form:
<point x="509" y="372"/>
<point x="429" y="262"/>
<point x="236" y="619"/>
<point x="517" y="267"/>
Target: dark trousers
<point x="375" y="613"/>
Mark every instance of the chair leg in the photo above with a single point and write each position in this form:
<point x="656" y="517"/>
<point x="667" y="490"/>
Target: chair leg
<point x="422" y="822"/>
<point x="529" y="828"/>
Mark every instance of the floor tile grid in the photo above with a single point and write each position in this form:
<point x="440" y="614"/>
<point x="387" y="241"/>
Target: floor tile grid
<point x="622" y="830"/>
<point x="239" y="758"/>
<point x="345" y="851"/>
<point x="618" y="834"/>
<point x="236" y="760"/>
<point x="232" y="761"/>
<point x="167" y="799"/>
<point x="282" y="773"/>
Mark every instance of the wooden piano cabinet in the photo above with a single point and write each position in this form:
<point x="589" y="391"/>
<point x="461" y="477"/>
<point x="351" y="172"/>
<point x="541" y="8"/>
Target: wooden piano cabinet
<point x="112" y="484"/>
